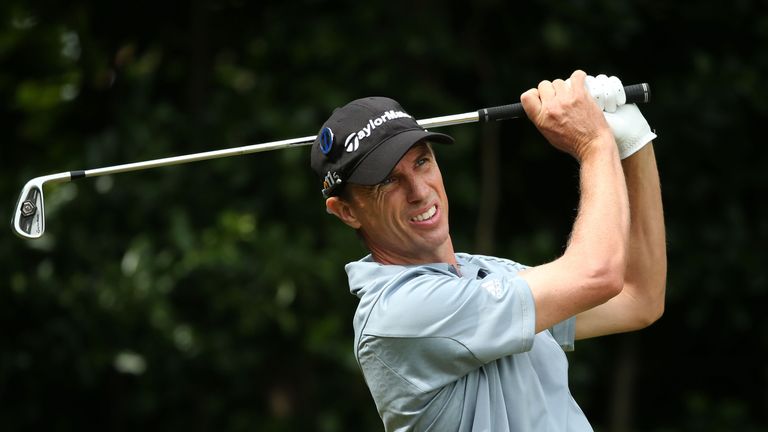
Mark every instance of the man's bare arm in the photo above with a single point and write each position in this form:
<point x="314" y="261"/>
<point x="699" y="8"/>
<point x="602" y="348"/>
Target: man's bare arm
<point x="641" y="301"/>
<point x="591" y="270"/>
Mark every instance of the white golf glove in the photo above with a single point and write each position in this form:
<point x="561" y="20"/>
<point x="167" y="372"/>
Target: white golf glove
<point x="607" y="91"/>
<point x="630" y="128"/>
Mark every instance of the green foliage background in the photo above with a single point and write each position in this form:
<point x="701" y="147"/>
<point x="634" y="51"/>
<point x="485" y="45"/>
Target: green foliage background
<point x="212" y="296"/>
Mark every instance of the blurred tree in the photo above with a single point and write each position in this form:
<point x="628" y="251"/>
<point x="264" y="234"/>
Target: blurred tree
<point x="213" y="296"/>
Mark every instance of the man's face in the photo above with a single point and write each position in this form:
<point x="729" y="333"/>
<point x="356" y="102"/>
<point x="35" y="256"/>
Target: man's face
<point x="404" y="219"/>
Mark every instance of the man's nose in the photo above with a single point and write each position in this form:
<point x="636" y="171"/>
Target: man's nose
<point x="418" y="190"/>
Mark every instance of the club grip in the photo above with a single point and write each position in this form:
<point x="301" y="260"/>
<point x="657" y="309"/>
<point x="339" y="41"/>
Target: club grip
<point x="636" y="93"/>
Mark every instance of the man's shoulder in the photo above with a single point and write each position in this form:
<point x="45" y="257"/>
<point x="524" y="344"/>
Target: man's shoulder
<point x="491" y="263"/>
<point x="367" y="276"/>
<point x="399" y="300"/>
<point x="368" y="272"/>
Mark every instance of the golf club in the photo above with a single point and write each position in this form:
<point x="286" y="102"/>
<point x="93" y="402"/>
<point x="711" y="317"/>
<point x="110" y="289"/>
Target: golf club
<point x="28" y="220"/>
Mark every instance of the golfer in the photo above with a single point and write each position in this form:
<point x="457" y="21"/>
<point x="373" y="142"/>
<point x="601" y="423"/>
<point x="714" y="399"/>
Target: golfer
<point x="451" y="341"/>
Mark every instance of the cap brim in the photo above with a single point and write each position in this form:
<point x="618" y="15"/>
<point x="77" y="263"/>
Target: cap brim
<point x="378" y="163"/>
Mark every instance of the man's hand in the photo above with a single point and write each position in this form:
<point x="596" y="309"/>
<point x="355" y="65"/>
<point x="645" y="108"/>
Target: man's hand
<point x="629" y="127"/>
<point x="567" y="116"/>
<point x="607" y="91"/>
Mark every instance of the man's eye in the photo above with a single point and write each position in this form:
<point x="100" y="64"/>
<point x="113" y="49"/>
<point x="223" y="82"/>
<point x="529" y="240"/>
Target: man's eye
<point x="387" y="181"/>
<point x="422" y="161"/>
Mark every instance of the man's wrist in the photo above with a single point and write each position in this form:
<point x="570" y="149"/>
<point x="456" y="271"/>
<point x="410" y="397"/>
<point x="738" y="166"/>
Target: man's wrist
<point x="629" y="147"/>
<point x="603" y="145"/>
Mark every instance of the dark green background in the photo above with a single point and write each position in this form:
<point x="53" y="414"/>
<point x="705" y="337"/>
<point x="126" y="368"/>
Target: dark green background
<point x="212" y="296"/>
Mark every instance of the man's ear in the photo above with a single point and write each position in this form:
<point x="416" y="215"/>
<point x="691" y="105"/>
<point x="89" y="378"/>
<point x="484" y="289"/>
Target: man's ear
<point x="342" y="210"/>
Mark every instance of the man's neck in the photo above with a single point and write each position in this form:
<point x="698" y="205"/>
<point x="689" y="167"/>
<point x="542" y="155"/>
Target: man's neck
<point x="443" y="254"/>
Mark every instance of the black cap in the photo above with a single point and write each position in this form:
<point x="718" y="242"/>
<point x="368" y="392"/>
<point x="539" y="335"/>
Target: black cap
<point x="363" y="141"/>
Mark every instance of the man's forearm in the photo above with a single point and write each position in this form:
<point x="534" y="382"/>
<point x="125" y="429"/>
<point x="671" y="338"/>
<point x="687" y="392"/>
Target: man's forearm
<point x="645" y="277"/>
<point x="642" y="297"/>
<point x="591" y="270"/>
<point x="599" y="239"/>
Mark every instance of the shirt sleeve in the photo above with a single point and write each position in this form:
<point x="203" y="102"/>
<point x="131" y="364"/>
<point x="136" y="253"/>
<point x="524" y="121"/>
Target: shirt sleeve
<point x="565" y="333"/>
<point x="488" y="318"/>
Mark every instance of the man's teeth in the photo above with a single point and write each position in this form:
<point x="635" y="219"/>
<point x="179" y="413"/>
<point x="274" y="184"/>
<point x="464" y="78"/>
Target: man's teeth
<point x="426" y="215"/>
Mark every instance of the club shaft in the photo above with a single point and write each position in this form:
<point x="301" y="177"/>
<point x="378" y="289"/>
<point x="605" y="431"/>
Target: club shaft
<point x="636" y="93"/>
<point x="178" y="160"/>
<point x="254" y="148"/>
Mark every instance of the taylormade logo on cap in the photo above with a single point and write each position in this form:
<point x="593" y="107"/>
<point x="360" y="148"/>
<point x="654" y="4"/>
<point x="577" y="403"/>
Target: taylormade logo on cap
<point x="352" y="143"/>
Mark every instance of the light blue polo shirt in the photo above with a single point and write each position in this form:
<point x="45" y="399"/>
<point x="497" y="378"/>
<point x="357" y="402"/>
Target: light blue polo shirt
<point x="442" y="351"/>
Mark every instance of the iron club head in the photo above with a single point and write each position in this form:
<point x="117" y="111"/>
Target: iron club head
<point x="28" y="220"/>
